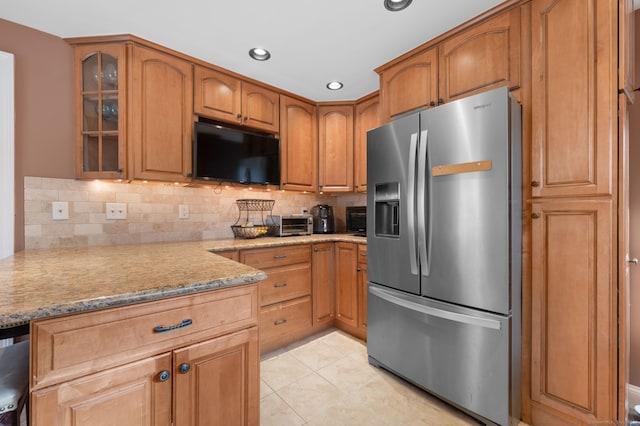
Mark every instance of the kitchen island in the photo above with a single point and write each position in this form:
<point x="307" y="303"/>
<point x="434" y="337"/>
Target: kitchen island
<point x="131" y="333"/>
<point x="39" y="284"/>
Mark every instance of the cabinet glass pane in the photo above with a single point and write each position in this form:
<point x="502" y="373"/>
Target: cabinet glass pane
<point x="90" y="153"/>
<point x="109" y="72"/>
<point x="110" y="112"/>
<point x="109" y="153"/>
<point x="90" y="74"/>
<point x="90" y="113"/>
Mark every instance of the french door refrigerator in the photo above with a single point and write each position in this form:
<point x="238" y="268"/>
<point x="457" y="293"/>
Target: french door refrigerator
<point x="444" y="231"/>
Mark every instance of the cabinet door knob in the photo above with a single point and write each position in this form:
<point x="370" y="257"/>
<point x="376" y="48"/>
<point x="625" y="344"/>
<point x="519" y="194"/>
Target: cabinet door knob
<point x="432" y="103"/>
<point x="239" y="116"/>
<point x="440" y="101"/>
<point x="535" y="216"/>
<point x="535" y="184"/>
<point x="164" y="375"/>
<point x="246" y="118"/>
<point x="184" y="368"/>
<point x="634" y="261"/>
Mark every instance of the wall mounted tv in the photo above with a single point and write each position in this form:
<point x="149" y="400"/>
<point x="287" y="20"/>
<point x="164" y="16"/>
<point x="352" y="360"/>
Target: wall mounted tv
<point x="230" y="155"/>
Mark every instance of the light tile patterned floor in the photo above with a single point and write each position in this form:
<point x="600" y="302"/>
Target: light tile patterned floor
<point x="327" y="380"/>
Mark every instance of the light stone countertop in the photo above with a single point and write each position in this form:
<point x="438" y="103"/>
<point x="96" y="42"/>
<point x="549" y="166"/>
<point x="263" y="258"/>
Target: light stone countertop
<point x="36" y="284"/>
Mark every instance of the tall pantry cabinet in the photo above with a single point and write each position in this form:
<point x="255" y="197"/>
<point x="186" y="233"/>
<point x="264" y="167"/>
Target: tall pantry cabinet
<point x="574" y="362"/>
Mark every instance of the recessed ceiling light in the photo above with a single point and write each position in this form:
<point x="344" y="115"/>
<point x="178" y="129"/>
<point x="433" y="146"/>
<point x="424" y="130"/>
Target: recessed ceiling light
<point x="396" y="5"/>
<point x="334" y="85"/>
<point x="259" y="54"/>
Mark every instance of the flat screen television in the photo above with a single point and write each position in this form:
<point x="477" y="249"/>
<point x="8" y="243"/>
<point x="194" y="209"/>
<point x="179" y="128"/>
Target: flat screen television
<point x="231" y="155"/>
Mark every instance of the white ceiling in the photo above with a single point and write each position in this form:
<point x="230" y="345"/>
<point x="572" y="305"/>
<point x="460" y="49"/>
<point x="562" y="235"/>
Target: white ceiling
<point x="311" y="41"/>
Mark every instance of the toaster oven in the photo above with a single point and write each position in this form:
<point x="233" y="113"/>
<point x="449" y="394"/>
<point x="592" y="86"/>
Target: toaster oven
<point x="295" y="224"/>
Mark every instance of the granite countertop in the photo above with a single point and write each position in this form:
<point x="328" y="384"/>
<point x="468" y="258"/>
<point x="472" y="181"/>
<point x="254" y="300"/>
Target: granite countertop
<point x="240" y="244"/>
<point x="36" y="284"/>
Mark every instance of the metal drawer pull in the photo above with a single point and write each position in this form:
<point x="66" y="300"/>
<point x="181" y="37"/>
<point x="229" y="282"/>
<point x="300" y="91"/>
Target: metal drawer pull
<point x="280" y="322"/>
<point x="184" y="368"/>
<point x="281" y="256"/>
<point x="162" y="328"/>
<point x="280" y="285"/>
<point x="164" y="375"/>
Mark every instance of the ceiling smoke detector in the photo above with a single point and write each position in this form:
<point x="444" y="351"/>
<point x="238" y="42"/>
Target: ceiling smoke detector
<point x="396" y="5"/>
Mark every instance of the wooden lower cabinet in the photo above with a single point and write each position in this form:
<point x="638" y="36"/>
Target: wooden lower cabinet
<point x="324" y="301"/>
<point x="350" y="300"/>
<point x="132" y="373"/>
<point x="284" y="322"/>
<point x="362" y="287"/>
<point x="574" y="314"/>
<point x="215" y="382"/>
<point x="346" y="284"/>
<point x="129" y="395"/>
<point x="285" y="296"/>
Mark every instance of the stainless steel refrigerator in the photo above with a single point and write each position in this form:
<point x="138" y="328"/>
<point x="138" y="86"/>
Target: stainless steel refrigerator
<point x="444" y="210"/>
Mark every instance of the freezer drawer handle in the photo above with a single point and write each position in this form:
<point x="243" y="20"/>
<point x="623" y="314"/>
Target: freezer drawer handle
<point x="451" y="169"/>
<point x="427" y="310"/>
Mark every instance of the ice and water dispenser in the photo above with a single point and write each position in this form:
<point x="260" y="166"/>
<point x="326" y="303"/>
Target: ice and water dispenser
<point x="387" y="209"/>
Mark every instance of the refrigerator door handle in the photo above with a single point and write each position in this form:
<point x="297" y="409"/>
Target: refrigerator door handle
<point x="435" y="312"/>
<point x="422" y="211"/>
<point x="411" y="213"/>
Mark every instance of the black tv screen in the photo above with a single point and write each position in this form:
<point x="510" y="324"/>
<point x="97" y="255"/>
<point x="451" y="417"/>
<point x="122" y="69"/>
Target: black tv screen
<point x="230" y="155"/>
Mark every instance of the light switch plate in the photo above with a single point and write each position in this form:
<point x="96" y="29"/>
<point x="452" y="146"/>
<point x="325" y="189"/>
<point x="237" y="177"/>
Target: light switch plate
<point x="60" y="210"/>
<point x="183" y="211"/>
<point x="116" y="211"/>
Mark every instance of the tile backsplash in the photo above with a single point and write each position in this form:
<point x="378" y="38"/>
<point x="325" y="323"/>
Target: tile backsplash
<point x="152" y="211"/>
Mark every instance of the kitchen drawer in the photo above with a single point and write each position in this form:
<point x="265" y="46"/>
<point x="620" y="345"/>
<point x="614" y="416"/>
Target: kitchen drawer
<point x="67" y="347"/>
<point x="279" y="320"/>
<point x="362" y="253"/>
<point x="276" y="256"/>
<point x="284" y="283"/>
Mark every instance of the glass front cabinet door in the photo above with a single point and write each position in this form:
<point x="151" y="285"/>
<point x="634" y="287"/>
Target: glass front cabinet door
<point x="100" y="107"/>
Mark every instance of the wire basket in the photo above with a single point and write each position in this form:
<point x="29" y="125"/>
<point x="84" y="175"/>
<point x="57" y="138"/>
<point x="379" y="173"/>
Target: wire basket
<point x="249" y="231"/>
<point x="253" y="227"/>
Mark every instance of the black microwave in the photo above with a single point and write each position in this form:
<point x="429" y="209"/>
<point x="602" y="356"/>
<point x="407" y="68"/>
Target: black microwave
<point x="356" y="220"/>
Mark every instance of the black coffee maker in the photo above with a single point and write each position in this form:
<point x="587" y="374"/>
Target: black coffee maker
<point x="323" y="222"/>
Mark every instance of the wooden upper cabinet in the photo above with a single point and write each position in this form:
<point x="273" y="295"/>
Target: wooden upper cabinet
<point x="574" y="101"/>
<point x="298" y="145"/>
<point x="481" y="58"/>
<point x="216" y="95"/>
<point x="409" y="84"/>
<point x="224" y="97"/>
<point x="260" y="107"/>
<point x="335" y="126"/>
<point x="100" y="111"/>
<point x="162" y="116"/>
<point x="627" y="75"/>
<point x="367" y="117"/>
<point x="574" y="313"/>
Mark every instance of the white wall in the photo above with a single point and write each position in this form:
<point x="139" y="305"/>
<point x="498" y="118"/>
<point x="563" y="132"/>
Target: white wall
<point x="7" y="154"/>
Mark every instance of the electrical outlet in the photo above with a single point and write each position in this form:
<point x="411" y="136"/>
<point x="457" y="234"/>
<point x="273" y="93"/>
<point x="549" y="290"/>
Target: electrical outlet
<point x="116" y="211"/>
<point x="60" y="210"/>
<point x="183" y="211"/>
